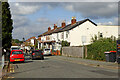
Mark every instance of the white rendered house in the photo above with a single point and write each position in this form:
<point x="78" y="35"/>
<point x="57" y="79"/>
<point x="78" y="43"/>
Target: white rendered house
<point x="77" y="33"/>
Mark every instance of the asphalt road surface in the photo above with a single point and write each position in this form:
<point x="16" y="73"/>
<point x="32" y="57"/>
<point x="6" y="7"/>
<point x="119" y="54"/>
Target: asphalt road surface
<point x="53" y="67"/>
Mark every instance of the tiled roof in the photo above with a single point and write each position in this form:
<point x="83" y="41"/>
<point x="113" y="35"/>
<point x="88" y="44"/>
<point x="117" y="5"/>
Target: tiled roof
<point x="48" y="32"/>
<point x="69" y="26"/>
<point x="15" y="44"/>
<point x="66" y="28"/>
<point x="31" y="38"/>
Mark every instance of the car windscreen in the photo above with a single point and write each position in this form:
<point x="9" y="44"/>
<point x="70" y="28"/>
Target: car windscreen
<point x="16" y="52"/>
<point x="15" y="48"/>
<point x="47" y="49"/>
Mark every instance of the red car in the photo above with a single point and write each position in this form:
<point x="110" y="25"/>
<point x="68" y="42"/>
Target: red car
<point x="17" y="55"/>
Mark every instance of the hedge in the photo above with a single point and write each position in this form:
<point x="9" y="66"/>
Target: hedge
<point x="96" y="50"/>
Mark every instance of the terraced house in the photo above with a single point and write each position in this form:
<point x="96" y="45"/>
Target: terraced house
<point x="77" y="33"/>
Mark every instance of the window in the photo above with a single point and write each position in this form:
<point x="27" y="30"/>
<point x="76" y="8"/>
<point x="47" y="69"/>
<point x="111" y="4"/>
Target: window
<point x="67" y="34"/>
<point x="101" y="35"/>
<point x="62" y="35"/>
<point x="17" y="52"/>
<point x="57" y="36"/>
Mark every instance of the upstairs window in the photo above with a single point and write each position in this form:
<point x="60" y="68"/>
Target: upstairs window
<point x="57" y="36"/>
<point x="62" y="35"/>
<point x="101" y="35"/>
<point x="67" y="34"/>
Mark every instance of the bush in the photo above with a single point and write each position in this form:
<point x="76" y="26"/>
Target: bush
<point x="65" y="43"/>
<point x="96" y="50"/>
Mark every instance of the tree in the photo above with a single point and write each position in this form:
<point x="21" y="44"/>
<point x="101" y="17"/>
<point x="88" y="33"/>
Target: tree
<point x="16" y="41"/>
<point x="23" y="39"/>
<point x="6" y="26"/>
<point x="65" y="43"/>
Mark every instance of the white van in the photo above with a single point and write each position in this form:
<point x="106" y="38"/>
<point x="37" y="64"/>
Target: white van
<point x="46" y="51"/>
<point x="15" y="48"/>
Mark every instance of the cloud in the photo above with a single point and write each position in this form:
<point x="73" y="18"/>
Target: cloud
<point x="31" y="28"/>
<point x="63" y="0"/>
<point x="94" y="10"/>
<point x="42" y="20"/>
<point x="20" y="21"/>
<point x="114" y="22"/>
<point x="105" y="23"/>
<point x="28" y="31"/>
<point x="24" y="27"/>
<point x="24" y="8"/>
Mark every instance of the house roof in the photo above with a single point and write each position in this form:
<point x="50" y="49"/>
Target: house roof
<point x="15" y="44"/>
<point x="66" y="28"/>
<point x="69" y="26"/>
<point x="48" y="32"/>
<point x="31" y="38"/>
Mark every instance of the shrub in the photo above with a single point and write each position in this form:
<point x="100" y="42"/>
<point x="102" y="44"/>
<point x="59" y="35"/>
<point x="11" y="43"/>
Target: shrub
<point x="96" y="50"/>
<point x="65" y="43"/>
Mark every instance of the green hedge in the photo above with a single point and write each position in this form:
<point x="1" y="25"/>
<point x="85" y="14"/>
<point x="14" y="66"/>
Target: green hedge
<point x="96" y="50"/>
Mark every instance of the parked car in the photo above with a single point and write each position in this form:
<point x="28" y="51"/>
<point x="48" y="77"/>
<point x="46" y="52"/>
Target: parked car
<point x="47" y="51"/>
<point x="17" y="55"/>
<point x="37" y="54"/>
<point x="15" y="48"/>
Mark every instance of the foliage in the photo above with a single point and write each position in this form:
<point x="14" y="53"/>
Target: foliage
<point x="94" y="38"/>
<point x="6" y="26"/>
<point x="16" y="41"/>
<point x="118" y="37"/>
<point x="96" y="50"/>
<point x="36" y="44"/>
<point x="65" y="43"/>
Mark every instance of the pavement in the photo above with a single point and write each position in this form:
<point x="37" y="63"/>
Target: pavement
<point x="4" y="70"/>
<point x="93" y="63"/>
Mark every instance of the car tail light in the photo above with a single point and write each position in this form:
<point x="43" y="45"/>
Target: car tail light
<point x="11" y="55"/>
<point x="33" y="53"/>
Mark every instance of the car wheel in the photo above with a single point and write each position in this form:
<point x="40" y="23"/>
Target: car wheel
<point x="42" y="58"/>
<point x="23" y="61"/>
<point x="50" y="54"/>
<point x="11" y="62"/>
<point x="33" y="58"/>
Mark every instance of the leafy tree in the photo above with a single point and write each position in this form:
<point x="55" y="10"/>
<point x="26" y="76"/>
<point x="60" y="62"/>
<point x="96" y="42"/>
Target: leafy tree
<point x="65" y="43"/>
<point x="0" y="25"/>
<point x="23" y="39"/>
<point x="16" y="41"/>
<point x="6" y="26"/>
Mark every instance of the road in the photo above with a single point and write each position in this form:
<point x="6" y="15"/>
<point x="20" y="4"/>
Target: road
<point x="54" y="67"/>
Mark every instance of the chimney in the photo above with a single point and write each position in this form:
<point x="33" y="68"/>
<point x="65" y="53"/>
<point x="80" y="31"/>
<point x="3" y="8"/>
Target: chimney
<point x="55" y="26"/>
<point x="49" y="28"/>
<point x="73" y="21"/>
<point x="63" y="24"/>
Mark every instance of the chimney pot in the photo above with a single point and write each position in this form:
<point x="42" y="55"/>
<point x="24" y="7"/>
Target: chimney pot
<point x="55" y="26"/>
<point x="73" y="21"/>
<point x="63" y="24"/>
<point x="49" y="28"/>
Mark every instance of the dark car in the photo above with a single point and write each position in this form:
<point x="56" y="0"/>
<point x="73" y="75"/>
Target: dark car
<point x="37" y="54"/>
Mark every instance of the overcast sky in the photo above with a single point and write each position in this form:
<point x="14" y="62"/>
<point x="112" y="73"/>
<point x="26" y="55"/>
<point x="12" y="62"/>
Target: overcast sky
<point x="33" y="18"/>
